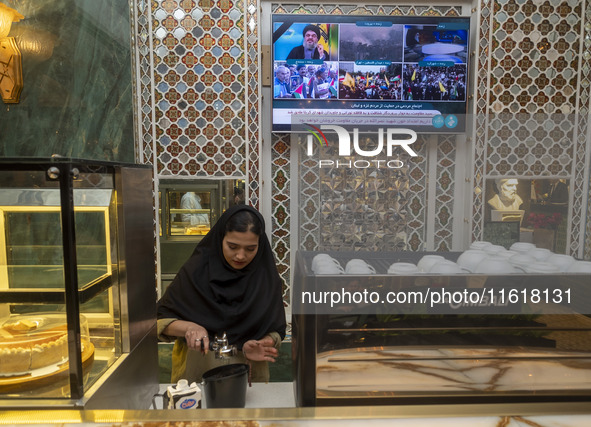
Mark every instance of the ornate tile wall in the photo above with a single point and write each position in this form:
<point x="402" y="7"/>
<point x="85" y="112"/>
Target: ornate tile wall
<point x="200" y="87"/>
<point x="199" y="107"/>
<point x="584" y="108"/>
<point x="349" y="209"/>
<point x="196" y="79"/>
<point x="144" y="88"/>
<point x="392" y="214"/>
<point x="530" y="87"/>
<point x="444" y="194"/>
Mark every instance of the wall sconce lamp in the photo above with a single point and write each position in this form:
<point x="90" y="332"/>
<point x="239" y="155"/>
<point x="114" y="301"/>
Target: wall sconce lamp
<point x="11" y="73"/>
<point x="35" y="45"/>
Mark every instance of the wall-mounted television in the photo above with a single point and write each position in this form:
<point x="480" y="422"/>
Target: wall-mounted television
<point x="403" y="71"/>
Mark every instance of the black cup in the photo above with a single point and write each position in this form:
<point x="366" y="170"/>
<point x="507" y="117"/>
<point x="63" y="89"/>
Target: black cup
<point x="225" y="386"/>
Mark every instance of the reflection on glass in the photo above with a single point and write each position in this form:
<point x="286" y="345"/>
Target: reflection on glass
<point x="506" y="198"/>
<point x="188" y="208"/>
<point x="540" y="206"/>
<point x="190" y="212"/>
<point x="191" y="208"/>
<point x="32" y="262"/>
<point x="33" y="242"/>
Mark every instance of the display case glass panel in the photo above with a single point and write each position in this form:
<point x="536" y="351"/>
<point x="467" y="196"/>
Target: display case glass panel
<point x="33" y="282"/>
<point x="369" y="330"/>
<point x="190" y="212"/>
<point x="188" y="209"/>
<point x="539" y="207"/>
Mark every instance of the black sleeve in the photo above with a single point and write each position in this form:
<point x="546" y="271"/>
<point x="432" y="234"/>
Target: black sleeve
<point x="292" y="54"/>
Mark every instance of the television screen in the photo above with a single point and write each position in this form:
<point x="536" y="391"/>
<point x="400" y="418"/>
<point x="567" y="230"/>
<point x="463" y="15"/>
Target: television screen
<point x="383" y="70"/>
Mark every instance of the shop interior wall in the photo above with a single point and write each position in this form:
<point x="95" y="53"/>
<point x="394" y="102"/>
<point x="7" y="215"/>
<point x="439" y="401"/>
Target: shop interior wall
<point x="196" y="108"/>
<point x="532" y="105"/>
<point x="202" y="102"/>
<point x="76" y="99"/>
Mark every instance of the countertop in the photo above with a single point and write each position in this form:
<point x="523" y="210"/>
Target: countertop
<point x="272" y="405"/>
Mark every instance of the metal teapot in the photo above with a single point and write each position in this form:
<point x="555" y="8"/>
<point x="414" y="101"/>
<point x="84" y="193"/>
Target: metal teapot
<point x="221" y="348"/>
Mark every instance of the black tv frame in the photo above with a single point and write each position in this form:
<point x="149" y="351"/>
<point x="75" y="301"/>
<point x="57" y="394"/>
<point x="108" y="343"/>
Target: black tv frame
<point x="430" y="123"/>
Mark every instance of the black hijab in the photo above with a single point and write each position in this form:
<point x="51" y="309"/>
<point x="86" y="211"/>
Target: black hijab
<point x="246" y="304"/>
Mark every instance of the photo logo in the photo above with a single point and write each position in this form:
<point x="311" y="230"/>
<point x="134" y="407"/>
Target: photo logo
<point x="316" y="133"/>
<point x="392" y="138"/>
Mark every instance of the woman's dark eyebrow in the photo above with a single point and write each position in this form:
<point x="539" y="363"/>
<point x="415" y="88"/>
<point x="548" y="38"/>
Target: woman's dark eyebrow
<point x="238" y="244"/>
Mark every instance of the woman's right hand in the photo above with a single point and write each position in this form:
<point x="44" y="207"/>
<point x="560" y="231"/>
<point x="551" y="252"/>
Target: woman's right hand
<point x="195" y="335"/>
<point x="197" y="338"/>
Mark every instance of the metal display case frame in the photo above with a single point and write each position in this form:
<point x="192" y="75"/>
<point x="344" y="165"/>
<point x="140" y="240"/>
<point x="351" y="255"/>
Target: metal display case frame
<point x="132" y="379"/>
<point x="176" y="249"/>
<point x="318" y="332"/>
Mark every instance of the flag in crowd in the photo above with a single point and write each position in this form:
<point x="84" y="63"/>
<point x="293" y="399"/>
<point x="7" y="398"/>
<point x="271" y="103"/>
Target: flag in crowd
<point x="299" y="91"/>
<point x="348" y="81"/>
<point x="333" y="88"/>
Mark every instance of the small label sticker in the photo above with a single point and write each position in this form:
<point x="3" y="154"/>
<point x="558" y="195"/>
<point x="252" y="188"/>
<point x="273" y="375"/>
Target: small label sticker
<point x="188" y="404"/>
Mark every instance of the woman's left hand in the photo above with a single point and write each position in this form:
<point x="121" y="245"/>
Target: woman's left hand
<point x="260" y="350"/>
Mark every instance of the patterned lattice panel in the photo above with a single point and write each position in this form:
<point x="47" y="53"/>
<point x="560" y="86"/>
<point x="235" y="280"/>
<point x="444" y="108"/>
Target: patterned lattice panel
<point x="143" y="87"/>
<point x="142" y="91"/>
<point x="417" y="206"/>
<point x="368" y="10"/>
<point x="309" y="197"/>
<point x="389" y="216"/>
<point x="281" y="210"/>
<point x="200" y="79"/>
<point x="482" y="84"/>
<point x="583" y="123"/>
<point x="253" y="102"/>
<point x="529" y="87"/>
<point x="364" y="208"/>
<point x="445" y="186"/>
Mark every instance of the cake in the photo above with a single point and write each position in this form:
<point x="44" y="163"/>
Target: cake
<point x="197" y="230"/>
<point x="28" y="343"/>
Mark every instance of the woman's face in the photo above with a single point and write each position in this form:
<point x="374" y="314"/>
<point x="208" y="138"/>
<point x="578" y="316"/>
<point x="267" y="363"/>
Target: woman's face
<point x="239" y="248"/>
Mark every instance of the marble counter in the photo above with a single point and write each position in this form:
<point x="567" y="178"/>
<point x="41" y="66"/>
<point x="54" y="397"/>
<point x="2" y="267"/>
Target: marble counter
<point x="367" y="416"/>
<point x="404" y="371"/>
<point x="271" y="405"/>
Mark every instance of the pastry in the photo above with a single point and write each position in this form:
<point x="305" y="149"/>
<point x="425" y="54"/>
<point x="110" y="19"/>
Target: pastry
<point x="31" y="343"/>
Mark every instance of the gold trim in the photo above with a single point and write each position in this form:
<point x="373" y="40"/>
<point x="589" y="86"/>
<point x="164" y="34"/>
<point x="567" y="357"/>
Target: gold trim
<point x="11" y="73"/>
<point x="311" y="414"/>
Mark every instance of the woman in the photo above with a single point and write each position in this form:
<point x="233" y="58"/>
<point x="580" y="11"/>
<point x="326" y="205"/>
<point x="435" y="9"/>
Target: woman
<point x="230" y="284"/>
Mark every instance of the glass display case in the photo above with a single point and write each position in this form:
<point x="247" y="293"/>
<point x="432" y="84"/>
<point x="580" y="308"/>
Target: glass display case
<point x="188" y="209"/>
<point x="369" y="330"/>
<point x="77" y="303"/>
